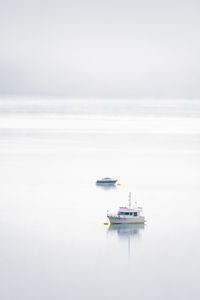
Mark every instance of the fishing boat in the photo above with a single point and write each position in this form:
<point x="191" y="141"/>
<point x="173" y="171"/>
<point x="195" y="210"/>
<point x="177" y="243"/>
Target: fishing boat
<point x="106" y="181"/>
<point x="127" y="215"/>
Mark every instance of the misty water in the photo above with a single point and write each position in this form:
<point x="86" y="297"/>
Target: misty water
<point x="53" y="241"/>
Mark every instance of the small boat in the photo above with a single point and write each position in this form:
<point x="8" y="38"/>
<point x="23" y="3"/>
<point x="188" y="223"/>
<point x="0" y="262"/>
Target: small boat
<point x="127" y="215"/>
<point x="106" y="181"/>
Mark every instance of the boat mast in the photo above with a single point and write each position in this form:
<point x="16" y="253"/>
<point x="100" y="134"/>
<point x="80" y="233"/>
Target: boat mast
<point x="129" y="200"/>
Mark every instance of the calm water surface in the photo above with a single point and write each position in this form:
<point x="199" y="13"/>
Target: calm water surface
<point x="54" y="244"/>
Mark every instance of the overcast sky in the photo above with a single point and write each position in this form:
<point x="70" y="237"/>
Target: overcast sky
<point x="104" y="48"/>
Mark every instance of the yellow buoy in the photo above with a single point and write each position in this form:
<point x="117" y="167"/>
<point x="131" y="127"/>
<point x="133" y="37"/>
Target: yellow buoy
<point x="118" y="184"/>
<point x="105" y="223"/>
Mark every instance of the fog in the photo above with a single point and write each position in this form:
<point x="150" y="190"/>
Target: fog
<point x="54" y="244"/>
<point x="100" y="48"/>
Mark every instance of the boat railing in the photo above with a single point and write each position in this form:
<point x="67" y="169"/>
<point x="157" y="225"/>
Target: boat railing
<point x="113" y="216"/>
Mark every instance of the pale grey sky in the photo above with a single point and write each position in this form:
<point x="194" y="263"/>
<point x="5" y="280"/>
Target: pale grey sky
<point x="107" y="48"/>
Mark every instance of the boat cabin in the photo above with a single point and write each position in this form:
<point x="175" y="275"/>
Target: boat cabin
<point x="125" y="211"/>
<point x="122" y="213"/>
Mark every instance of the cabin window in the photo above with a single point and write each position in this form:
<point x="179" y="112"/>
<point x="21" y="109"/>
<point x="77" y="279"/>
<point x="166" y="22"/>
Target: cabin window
<point x="135" y="214"/>
<point x="121" y="213"/>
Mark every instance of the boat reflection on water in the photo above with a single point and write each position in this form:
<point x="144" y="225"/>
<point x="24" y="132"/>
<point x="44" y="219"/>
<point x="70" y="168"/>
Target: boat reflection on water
<point x="106" y="187"/>
<point x="126" y="232"/>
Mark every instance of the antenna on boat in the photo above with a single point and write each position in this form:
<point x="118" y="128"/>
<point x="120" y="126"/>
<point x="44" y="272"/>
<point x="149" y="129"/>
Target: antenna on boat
<point x="129" y="200"/>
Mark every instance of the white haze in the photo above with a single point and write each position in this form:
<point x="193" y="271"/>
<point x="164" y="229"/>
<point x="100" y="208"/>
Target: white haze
<point x="54" y="244"/>
<point x="100" y="48"/>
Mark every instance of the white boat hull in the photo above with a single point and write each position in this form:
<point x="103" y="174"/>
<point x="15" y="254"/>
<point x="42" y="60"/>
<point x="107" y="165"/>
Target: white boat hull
<point x="126" y="220"/>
